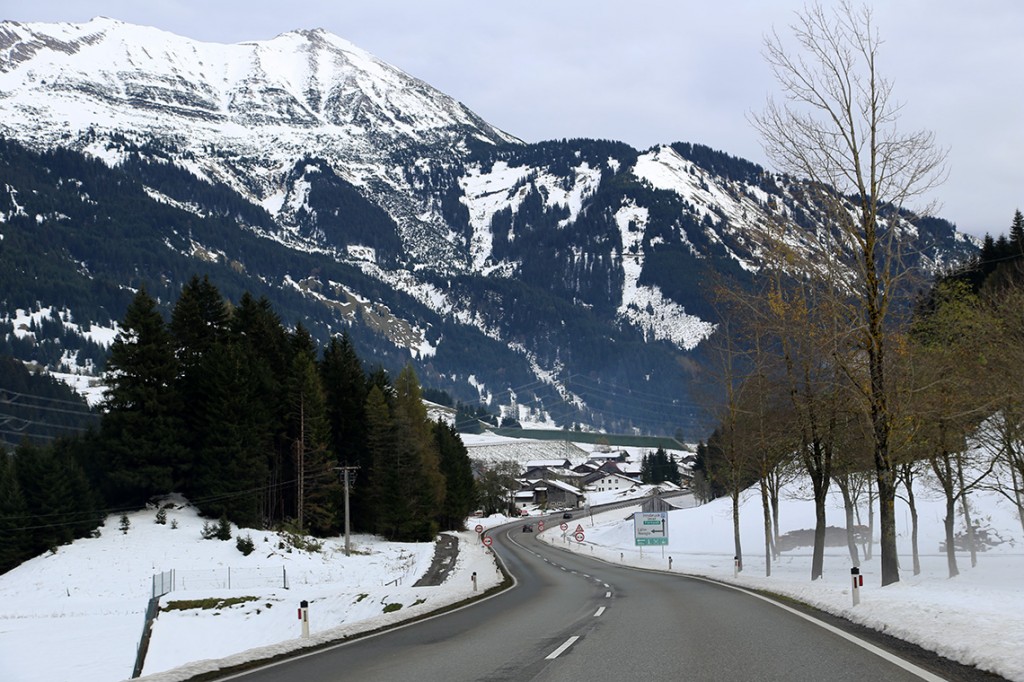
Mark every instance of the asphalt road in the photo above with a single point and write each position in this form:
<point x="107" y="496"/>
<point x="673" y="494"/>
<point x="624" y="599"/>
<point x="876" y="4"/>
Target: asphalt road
<point x="573" y="619"/>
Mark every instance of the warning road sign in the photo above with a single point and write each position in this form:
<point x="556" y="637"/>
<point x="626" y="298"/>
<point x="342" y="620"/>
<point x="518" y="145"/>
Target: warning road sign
<point x="579" y="528"/>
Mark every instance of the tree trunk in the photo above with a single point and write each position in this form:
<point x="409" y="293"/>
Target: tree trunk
<point x="818" y="554"/>
<point x="949" y="522"/>
<point x="736" y="527"/>
<point x="1017" y="494"/>
<point x="913" y="521"/>
<point x="775" y="522"/>
<point x="851" y="541"/>
<point x="769" y="547"/>
<point x="887" y="525"/>
<point x="971" y="536"/>
<point x="871" y="519"/>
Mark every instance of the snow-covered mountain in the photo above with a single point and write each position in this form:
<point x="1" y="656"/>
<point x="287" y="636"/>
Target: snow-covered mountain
<point x="558" y="280"/>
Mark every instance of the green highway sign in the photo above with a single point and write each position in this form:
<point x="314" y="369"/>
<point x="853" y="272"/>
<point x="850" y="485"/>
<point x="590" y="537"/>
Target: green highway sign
<point x="650" y="528"/>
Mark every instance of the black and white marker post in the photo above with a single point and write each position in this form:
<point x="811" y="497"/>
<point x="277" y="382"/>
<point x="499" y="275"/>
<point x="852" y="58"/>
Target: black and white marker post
<point x="304" y="617"/>
<point x="858" y="580"/>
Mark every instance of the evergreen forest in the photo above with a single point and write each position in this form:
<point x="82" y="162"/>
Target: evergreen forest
<point x="250" y="421"/>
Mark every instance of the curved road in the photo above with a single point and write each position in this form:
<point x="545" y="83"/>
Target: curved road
<point x="571" y="618"/>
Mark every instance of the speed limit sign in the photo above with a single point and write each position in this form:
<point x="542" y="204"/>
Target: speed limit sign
<point x="540" y="525"/>
<point x="564" y="526"/>
<point x="479" y="528"/>
<point x="579" y="536"/>
<point x="488" y="541"/>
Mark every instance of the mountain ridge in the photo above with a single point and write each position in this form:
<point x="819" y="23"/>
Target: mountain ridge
<point x="357" y="187"/>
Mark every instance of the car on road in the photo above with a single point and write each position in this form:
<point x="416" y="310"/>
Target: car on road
<point x="527" y="528"/>
<point x="567" y="515"/>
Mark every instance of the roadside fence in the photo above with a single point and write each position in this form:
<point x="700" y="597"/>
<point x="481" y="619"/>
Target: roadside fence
<point x="218" y="579"/>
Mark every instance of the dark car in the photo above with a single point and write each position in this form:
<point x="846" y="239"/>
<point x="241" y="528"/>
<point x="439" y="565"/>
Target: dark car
<point x="567" y="515"/>
<point x="527" y="528"/>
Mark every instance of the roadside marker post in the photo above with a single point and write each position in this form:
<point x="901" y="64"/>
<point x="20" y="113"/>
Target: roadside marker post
<point x="304" y="617"/>
<point x="858" y="580"/>
<point x="474" y="581"/>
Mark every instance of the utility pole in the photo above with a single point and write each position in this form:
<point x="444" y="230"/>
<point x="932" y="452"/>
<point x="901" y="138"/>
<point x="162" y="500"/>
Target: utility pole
<point x="349" y="479"/>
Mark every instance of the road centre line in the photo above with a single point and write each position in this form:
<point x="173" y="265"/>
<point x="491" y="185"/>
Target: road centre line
<point x="607" y="595"/>
<point x="599" y="612"/>
<point x="560" y="650"/>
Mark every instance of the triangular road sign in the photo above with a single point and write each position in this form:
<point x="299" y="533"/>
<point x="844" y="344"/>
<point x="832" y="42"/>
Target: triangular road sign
<point x="579" y="529"/>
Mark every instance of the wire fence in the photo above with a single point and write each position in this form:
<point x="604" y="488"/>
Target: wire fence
<point x="228" y="578"/>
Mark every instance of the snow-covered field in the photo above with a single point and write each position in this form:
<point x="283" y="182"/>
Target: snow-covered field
<point x="88" y="599"/>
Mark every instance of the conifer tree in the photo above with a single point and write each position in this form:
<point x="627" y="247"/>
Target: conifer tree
<point x="141" y="428"/>
<point x="14" y="522"/>
<point x="317" y="484"/>
<point x="55" y="493"/>
<point x="460" y="489"/>
<point x="382" y="478"/>
<point x="1017" y="233"/>
<point x="422" y="482"/>
<point x="262" y="343"/>
<point x="237" y="443"/>
<point x="346" y="389"/>
<point x="199" y="325"/>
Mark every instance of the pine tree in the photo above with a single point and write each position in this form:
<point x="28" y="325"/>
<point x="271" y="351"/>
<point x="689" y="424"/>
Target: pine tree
<point x="15" y="542"/>
<point x="422" y="482"/>
<point x="1017" y="233"/>
<point x="460" y="488"/>
<point x="237" y="442"/>
<point x="141" y="428"/>
<point x="646" y="475"/>
<point x="317" y="485"/>
<point x="384" y="506"/>
<point x="261" y="341"/>
<point x="346" y="389"/>
<point x="199" y="325"/>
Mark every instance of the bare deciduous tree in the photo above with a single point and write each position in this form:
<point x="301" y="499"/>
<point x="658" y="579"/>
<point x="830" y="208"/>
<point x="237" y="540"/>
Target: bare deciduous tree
<point x="838" y="128"/>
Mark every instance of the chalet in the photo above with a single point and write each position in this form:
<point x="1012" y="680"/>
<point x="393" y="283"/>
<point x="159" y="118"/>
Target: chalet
<point x="602" y="457"/>
<point x="585" y="468"/>
<point x="552" y="494"/>
<point x="611" y="482"/>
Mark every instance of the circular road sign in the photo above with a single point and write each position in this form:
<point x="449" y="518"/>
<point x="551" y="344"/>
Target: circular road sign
<point x="488" y="540"/>
<point x="479" y="528"/>
<point x="579" y="536"/>
<point x="564" y="526"/>
<point x="540" y="525"/>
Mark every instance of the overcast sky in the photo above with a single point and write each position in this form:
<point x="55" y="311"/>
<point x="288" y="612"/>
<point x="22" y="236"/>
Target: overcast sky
<point x="655" y="71"/>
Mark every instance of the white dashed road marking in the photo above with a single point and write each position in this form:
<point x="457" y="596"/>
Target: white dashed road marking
<point x="560" y="650"/>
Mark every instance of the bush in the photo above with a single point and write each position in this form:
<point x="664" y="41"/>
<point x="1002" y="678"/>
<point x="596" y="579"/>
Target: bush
<point x="245" y="545"/>
<point x="161" y="516"/>
<point x="125" y="524"/>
